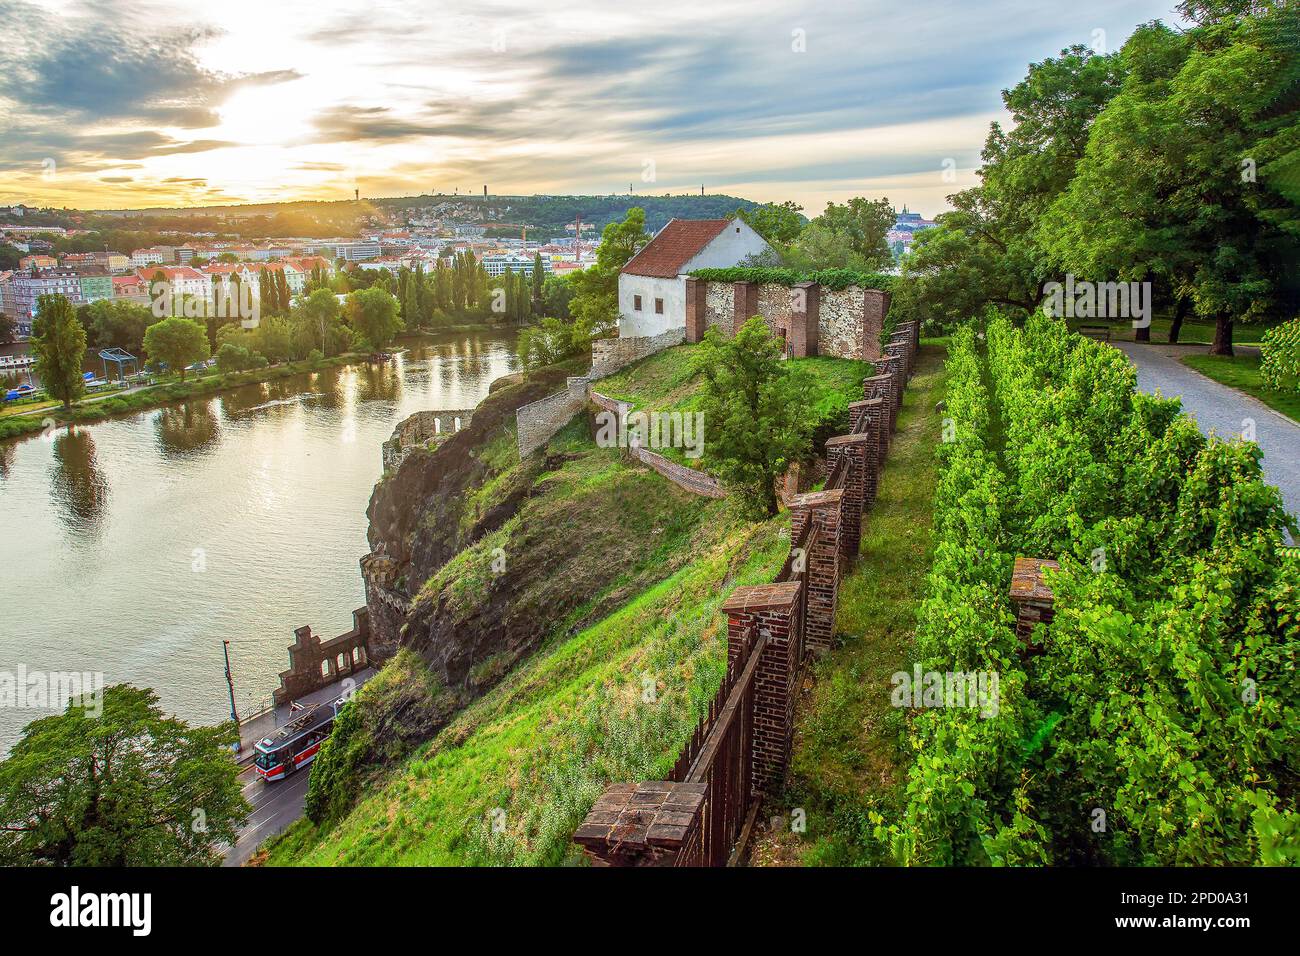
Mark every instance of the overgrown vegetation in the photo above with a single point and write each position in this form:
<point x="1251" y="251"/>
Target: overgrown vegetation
<point x="830" y="278"/>
<point x="1157" y="724"/>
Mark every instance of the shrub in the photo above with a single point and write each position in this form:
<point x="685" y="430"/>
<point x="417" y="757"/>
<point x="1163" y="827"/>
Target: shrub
<point x="1279" y="365"/>
<point x="830" y="278"/>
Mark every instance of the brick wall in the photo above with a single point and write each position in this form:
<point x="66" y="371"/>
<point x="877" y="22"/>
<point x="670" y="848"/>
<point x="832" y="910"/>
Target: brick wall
<point x="782" y="622"/>
<point x="844" y="323"/>
<point x="314" y="663"/>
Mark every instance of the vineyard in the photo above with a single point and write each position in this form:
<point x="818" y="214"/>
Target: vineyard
<point x="1154" y="721"/>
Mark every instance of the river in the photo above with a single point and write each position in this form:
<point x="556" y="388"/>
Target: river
<point x="134" y="546"/>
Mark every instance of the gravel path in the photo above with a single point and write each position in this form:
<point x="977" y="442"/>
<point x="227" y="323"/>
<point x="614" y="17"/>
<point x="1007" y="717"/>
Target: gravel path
<point x="1223" y="410"/>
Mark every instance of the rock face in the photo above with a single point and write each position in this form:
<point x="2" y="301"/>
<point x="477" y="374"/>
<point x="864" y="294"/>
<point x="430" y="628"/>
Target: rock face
<point x="415" y="510"/>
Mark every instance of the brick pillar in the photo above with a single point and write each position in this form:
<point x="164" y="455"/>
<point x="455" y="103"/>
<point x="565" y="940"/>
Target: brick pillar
<point x="864" y="418"/>
<point x="745" y="305"/>
<point x="1032" y="598"/>
<point x="697" y="319"/>
<point x="875" y="305"/>
<point x="892" y="366"/>
<point x="771" y="609"/>
<point x="853" y="451"/>
<point x="805" y="317"/>
<point x="822" y="561"/>
<point x="903" y="339"/>
<point x="643" y="824"/>
<point x="881" y="387"/>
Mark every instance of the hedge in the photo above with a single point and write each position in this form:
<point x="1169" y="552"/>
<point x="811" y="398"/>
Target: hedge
<point x="828" y="278"/>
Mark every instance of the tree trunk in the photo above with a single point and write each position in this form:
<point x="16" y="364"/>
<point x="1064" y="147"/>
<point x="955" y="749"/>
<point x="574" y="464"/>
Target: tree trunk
<point x="1142" y="333"/>
<point x="1180" y="313"/>
<point x="1222" y="335"/>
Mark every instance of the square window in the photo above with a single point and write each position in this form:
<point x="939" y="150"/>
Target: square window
<point x="636" y="302"/>
<point x="659" y="306"/>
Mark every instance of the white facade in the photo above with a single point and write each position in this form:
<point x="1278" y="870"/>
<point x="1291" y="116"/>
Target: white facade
<point x="662" y="301"/>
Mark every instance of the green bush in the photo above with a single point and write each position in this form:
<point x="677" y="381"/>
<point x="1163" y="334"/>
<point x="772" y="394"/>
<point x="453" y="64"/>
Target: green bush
<point x="1279" y="365"/>
<point x="830" y="278"/>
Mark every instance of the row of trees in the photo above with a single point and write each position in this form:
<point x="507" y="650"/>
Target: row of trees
<point x="1174" y="161"/>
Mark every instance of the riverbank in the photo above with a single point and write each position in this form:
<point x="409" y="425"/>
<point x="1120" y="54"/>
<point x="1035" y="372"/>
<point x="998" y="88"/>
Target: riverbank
<point x="98" y="408"/>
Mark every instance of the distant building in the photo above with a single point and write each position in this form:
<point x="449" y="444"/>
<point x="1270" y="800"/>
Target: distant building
<point x="356" y="251"/>
<point x="27" y="288"/>
<point x="652" y="286"/>
<point x="906" y="225"/>
<point x="38" y="262"/>
<point x="501" y="263"/>
<point x="146" y="257"/>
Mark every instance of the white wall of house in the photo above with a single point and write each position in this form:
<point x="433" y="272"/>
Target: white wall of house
<point x="645" y="320"/>
<point x="728" y="248"/>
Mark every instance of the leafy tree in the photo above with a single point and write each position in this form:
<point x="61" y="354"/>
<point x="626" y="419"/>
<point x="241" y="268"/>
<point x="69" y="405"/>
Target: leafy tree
<point x="228" y="258"/>
<point x="373" y="314"/>
<point x="1180" y="180"/>
<point x="115" y="323"/>
<point x="320" y="311"/>
<point x="129" y="787"/>
<point x="234" y="358"/>
<point x="178" y="342"/>
<point x="756" y="412"/>
<point x="986" y="252"/>
<point x="539" y="281"/>
<point x="778" y="223"/>
<point x="594" y="305"/>
<point x="59" y="345"/>
<point x="8" y="329"/>
<point x="849" y="236"/>
<point x="556" y="293"/>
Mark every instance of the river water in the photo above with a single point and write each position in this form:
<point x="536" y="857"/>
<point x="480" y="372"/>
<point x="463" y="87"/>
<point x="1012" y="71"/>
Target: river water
<point x="133" y="547"/>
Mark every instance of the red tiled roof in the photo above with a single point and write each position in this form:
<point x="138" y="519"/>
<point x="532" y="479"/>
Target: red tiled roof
<point x="677" y="244"/>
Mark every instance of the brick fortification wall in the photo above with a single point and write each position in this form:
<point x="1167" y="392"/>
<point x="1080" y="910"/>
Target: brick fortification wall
<point x="814" y="320"/>
<point x="771" y="629"/>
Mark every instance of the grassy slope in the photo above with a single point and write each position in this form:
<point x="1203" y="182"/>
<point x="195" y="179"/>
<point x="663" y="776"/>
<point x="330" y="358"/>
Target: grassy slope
<point x="1242" y="373"/>
<point x="848" y="756"/>
<point x="543" y="743"/>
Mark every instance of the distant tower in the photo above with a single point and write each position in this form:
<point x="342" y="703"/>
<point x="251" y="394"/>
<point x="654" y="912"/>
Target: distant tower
<point x="356" y="195"/>
<point x="701" y="189"/>
<point x="485" y="191"/>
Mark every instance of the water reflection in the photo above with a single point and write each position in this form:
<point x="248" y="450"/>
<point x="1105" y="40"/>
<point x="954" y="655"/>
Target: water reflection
<point x="79" y="488"/>
<point x="7" y="452"/>
<point x="187" y="429"/>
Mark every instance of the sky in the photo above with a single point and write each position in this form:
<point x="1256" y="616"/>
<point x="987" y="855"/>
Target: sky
<point x="128" y="103"/>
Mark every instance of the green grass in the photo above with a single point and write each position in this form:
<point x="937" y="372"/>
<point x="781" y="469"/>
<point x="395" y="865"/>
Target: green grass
<point x="1242" y="373"/>
<point x="543" y="744"/>
<point x="848" y="756"/>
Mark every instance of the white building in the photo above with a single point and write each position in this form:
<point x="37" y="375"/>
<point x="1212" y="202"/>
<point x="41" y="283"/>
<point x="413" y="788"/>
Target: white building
<point x="498" y="264"/>
<point x="652" y="286"/>
<point x="146" y="257"/>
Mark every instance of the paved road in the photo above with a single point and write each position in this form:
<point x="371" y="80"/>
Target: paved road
<point x="275" y="805"/>
<point x="1223" y="411"/>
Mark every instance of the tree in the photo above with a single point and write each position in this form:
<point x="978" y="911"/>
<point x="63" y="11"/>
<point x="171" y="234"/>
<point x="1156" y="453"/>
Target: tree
<point x="851" y="236"/>
<point x="128" y="787"/>
<point x="594" y="305"/>
<point x="177" y="342"/>
<point x="59" y="344"/>
<point x="539" y="280"/>
<point x="373" y="314"/>
<point x="8" y="329"/>
<point x="556" y="293"/>
<point x="778" y="223"/>
<point x="1180" y="182"/>
<point x="986" y="251"/>
<point x="757" y="413"/>
<point x="116" y="323"/>
<point x="321" y="312"/>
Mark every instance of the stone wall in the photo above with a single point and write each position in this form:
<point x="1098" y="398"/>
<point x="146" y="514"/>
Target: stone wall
<point x="814" y="320"/>
<point x="610" y="355"/>
<point x="538" y="422"/>
<point x="419" y="429"/>
<point x="694" y="481"/>
<point x="314" y="663"/>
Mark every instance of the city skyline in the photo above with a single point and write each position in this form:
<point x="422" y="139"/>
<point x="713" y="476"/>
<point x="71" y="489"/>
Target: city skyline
<point x="181" y="105"/>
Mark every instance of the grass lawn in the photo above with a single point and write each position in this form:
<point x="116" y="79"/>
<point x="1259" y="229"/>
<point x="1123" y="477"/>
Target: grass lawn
<point x="1242" y="373"/>
<point x="848" y="755"/>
